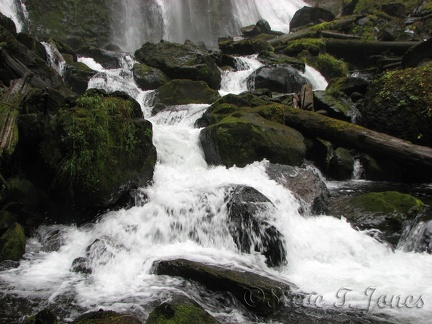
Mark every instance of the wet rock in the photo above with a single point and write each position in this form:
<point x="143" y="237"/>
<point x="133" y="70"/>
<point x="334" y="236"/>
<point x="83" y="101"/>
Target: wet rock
<point x="417" y="235"/>
<point x="77" y="76"/>
<point x="386" y="211"/>
<point x="147" y="77"/>
<point x="106" y="317"/>
<point x="108" y="59"/>
<point x="262" y="26"/>
<point x="43" y="317"/>
<point x="278" y="78"/>
<point x="249" y="212"/>
<point x="245" y="46"/>
<point x="12" y="243"/>
<point x="81" y="265"/>
<point x="179" y="61"/>
<point x="182" y="92"/>
<point x="259" y="294"/>
<point x="310" y="15"/>
<point x="180" y="310"/>
<point x="305" y="184"/>
<point x="341" y="165"/>
<point x="340" y="107"/>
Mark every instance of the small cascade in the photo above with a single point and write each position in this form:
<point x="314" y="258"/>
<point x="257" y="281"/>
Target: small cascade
<point x="55" y="59"/>
<point x="16" y="10"/>
<point x="358" y="170"/>
<point x="236" y="81"/>
<point x="417" y="236"/>
<point x="315" y="78"/>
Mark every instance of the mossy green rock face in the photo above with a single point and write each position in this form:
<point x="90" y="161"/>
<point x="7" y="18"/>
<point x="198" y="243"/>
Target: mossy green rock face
<point x="385" y="211"/>
<point x="245" y="46"/>
<point x="98" y="149"/>
<point x="12" y="243"/>
<point x="182" y="92"/>
<point x="178" y="61"/>
<point x="77" y="75"/>
<point x="181" y="313"/>
<point x="69" y="21"/>
<point x="245" y="139"/>
<point x="147" y="77"/>
<point x="106" y="317"/>
<point x="400" y="104"/>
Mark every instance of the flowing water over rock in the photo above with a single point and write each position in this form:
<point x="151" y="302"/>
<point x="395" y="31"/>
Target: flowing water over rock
<point x="136" y="22"/>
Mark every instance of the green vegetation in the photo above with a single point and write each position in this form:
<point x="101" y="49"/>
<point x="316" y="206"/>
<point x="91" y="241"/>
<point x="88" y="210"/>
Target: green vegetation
<point x="394" y="203"/>
<point x="329" y="66"/>
<point x="96" y="137"/>
<point x="12" y="243"/>
<point x="312" y="45"/>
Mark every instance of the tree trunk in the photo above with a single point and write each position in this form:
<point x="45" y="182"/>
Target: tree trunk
<point x="365" y="140"/>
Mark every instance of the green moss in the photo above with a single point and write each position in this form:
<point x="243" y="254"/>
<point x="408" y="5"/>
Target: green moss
<point x="95" y="139"/>
<point x="312" y="45"/>
<point x="273" y="112"/>
<point x="401" y="206"/>
<point x="179" y="314"/>
<point x="329" y="66"/>
<point x="12" y="243"/>
<point x="182" y="92"/>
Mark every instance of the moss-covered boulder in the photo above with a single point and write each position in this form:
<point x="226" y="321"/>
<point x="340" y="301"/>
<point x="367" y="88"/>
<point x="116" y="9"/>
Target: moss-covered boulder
<point x="70" y="22"/>
<point x="92" y="152"/>
<point x="45" y="316"/>
<point x="177" y="61"/>
<point x="386" y="211"/>
<point x="245" y="46"/>
<point x="399" y="103"/>
<point x="180" y="311"/>
<point x="106" y="317"/>
<point x="77" y="75"/>
<point x="341" y="164"/>
<point x="147" y="77"/>
<point x="12" y="243"/>
<point x="242" y="139"/>
<point x="182" y="92"/>
<point x="269" y="58"/>
<point x="310" y="15"/>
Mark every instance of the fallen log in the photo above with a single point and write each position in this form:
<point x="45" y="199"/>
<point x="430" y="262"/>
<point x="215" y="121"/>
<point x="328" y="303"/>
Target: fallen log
<point x="365" y="140"/>
<point x="361" y="51"/>
<point x="334" y="35"/>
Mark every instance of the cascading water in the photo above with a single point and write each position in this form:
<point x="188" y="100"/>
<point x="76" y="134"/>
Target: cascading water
<point x="183" y="213"/>
<point x="55" y="59"/>
<point x="16" y="10"/>
<point x="136" y="22"/>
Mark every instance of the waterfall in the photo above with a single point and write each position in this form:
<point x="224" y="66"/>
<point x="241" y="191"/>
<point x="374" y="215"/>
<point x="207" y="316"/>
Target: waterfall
<point x="55" y="59"/>
<point x="16" y="10"/>
<point x="136" y="22"/>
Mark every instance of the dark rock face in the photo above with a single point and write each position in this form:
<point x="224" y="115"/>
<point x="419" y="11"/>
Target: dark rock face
<point x="243" y="285"/>
<point x="396" y="9"/>
<point x="304" y="183"/>
<point x="147" y="77"/>
<point x="182" y="92"/>
<point x="107" y="317"/>
<point x="278" y="78"/>
<point x="244" y="46"/>
<point x="108" y="59"/>
<point x="178" y="61"/>
<point x="420" y="53"/>
<point x="310" y="15"/>
<point x="77" y="75"/>
<point x="262" y="26"/>
<point x="341" y="164"/>
<point x="248" y="214"/>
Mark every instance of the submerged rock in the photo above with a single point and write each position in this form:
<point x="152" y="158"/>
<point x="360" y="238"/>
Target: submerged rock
<point x="147" y="77"/>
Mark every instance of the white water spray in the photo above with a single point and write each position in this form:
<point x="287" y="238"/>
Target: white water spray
<point x="16" y="10"/>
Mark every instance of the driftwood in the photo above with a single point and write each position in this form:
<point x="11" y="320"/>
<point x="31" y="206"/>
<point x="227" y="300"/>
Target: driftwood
<point x="9" y="104"/>
<point x="353" y="136"/>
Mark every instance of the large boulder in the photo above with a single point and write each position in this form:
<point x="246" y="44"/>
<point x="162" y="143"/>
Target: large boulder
<point x="178" y="61"/>
<point x="77" y="76"/>
<point x="310" y="15"/>
<point x="240" y="140"/>
<point x="388" y="212"/>
<point x="262" y="26"/>
<point x="182" y="92"/>
<point x="304" y="183"/>
<point x="398" y="103"/>
<point x="12" y="243"/>
<point x="147" y="77"/>
<point x="92" y="152"/>
<point x="248" y="214"/>
<point x="70" y="21"/>
<point x="278" y="78"/>
<point x="418" y="54"/>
